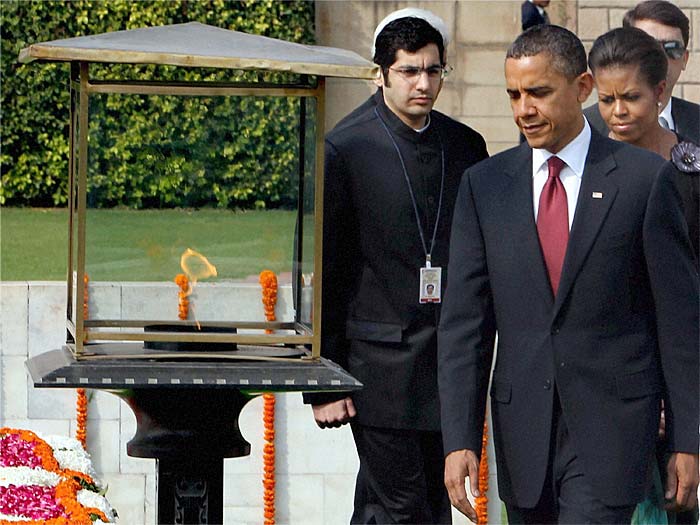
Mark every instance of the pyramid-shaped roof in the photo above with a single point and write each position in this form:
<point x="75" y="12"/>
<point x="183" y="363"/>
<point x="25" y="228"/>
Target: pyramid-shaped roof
<point x="199" y="45"/>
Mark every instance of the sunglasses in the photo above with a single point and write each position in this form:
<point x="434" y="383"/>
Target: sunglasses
<point x="674" y="49"/>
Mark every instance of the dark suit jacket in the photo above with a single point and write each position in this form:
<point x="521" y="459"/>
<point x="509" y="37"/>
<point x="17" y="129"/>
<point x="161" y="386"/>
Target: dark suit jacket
<point x="621" y="333"/>
<point x="686" y="116"/>
<point x="373" y="324"/>
<point x="688" y="185"/>
<point x="530" y="16"/>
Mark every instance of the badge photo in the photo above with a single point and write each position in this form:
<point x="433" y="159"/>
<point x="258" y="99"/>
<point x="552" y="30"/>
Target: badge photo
<point x="430" y="279"/>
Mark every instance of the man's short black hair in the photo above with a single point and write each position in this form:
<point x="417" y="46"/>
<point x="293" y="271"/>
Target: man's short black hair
<point x="662" y="12"/>
<point x="563" y="47"/>
<point x="630" y="47"/>
<point x="409" y="34"/>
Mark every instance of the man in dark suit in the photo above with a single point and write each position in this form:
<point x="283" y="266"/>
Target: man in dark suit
<point x="671" y="27"/>
<point x="532" y="13"/>
<point x="392" y="169"/>
<point x="572" y="248"/>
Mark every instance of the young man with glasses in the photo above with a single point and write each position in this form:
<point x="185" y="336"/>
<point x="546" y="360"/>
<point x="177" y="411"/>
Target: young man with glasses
<point x="392" y="169"/>
<point x="671" y="28"/>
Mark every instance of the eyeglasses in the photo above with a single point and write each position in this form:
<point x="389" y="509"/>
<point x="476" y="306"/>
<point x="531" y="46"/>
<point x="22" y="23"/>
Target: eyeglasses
<point x="674" y="49"/>
<point x="412" y="74"/>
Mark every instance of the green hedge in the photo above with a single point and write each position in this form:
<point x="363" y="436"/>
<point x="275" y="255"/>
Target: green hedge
<point x="158" y="151"/>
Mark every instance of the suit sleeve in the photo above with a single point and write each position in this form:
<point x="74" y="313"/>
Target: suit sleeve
<point x="674" y="281"/>
<point x="339" y="252"/>
<point x="467" y="331"/>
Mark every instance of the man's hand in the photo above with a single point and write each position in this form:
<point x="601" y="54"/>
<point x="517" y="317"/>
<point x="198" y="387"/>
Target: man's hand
<point x="335" y="413"/>
<point x="682" y="484"/>
<point x="458" y="465"/>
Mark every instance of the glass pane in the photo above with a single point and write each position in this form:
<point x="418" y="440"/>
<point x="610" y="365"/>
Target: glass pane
<point x="212" y="174"/>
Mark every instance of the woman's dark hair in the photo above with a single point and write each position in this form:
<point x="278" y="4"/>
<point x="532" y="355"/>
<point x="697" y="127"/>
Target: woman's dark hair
<point x="563" y="47"/>
<point x="662" y="12"/>
<point x="629" y="46"/>
<point x="409" y="34"/>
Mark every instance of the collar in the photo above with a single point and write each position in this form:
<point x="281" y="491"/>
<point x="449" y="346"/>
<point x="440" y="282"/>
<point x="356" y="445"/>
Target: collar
<point x="668" y="115"/>
<point x="574" y="153"/>
<point x="397" y="126"/>
<point x="427" y="123"/>
<point x="539" y="9"/>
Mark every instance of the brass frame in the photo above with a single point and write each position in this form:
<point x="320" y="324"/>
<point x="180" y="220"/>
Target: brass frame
<point x="80" y="330"/>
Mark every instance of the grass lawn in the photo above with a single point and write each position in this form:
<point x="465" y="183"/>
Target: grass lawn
<point x="130" y="245"/>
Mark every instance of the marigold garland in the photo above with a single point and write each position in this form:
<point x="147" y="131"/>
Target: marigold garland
<point x="269" y="459"/>
<point x="183" y="304"/>
<point x="268" y="281"/>
<point x="81" y="409"/>
<point x="81" y="398"/>
<point x="67" y="496"/>
<point x="482" y="501"/>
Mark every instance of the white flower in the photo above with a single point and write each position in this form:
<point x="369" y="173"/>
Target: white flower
<point x="70" y="454"/>
<point x="27" y="476"/>
<point x="62" y="442"/>
<point x="90" y="499"/>
<point x="73" y="460"/>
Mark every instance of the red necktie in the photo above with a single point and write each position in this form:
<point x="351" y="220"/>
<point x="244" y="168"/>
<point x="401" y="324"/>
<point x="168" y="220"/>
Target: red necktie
<point x="553" y="222"/>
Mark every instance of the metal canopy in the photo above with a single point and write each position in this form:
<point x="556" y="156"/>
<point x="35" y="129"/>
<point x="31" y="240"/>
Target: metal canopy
<point x="199" y="45"/>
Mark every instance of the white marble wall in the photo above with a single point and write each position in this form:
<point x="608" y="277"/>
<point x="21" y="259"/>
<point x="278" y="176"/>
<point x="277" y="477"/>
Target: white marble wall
<point x="315" y="468"/>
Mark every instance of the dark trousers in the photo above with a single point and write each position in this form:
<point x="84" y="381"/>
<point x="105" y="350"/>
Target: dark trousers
<point x="401" y="477"/>
<point x="567" y="497"/>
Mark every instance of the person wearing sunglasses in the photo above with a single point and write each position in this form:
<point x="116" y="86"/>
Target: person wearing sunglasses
<point x="671" y="28"/>
<point x="392" y="169"/>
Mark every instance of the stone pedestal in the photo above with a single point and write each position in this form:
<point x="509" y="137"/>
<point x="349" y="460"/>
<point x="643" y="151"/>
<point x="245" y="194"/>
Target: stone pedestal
<point x="187" y="414"/>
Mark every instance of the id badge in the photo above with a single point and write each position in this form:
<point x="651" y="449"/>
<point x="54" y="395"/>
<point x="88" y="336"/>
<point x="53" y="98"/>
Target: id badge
<point x="430" y="279"/>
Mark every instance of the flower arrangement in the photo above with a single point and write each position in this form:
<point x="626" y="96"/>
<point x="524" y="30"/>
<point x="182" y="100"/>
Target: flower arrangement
<point x="48" y="481"/>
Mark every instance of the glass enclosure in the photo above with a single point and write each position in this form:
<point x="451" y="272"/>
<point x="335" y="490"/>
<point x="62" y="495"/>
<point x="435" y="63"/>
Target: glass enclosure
<point x="203" y="158"/>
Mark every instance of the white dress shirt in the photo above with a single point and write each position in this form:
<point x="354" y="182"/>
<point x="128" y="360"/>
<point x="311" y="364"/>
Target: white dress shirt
<point x="666" y="113"/>
<point x="574" y="155"/>
<point x="539" y="9"/>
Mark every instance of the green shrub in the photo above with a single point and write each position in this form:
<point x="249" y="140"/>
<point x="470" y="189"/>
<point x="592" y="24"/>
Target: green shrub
<point x="155" y="151"/>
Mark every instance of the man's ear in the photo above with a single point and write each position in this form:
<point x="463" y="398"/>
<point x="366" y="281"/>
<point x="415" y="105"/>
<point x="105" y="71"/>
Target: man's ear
<point x="685" y="59"/>
<point x="585" y="86"/>
<point x="379" y="79"/>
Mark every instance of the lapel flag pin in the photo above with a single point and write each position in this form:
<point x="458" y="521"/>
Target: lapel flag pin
<point x="597" y="195"/>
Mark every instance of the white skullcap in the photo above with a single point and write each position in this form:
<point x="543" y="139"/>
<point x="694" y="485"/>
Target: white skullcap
<point x="413" y="12"/>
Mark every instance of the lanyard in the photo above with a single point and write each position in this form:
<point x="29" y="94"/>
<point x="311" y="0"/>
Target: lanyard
<point x="410" y="191"/>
